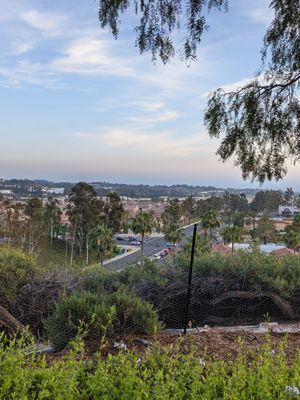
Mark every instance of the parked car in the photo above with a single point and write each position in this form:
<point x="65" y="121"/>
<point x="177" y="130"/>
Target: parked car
<point x="135" y="243"/>
<point x="171" y="246"/>
<point x="155" y="257"/>
<point x="120" y="238"/>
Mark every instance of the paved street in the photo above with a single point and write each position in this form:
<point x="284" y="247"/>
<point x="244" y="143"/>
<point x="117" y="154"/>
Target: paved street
<point x="151" y="247"/>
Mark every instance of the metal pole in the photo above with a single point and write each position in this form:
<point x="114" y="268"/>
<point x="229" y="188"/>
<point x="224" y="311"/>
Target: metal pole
<point x="188" y="297"/>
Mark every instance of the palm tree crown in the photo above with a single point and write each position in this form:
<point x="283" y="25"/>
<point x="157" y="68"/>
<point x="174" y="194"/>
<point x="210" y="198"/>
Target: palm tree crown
<point x="143" y="224"/>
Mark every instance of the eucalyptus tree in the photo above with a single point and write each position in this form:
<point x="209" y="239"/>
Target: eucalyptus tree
<point x="34" y="213"/>
<point x="267" y="201"/>
<point x="114" y="212"/>
<point x="188" y="208"/>
<point x="85" y="211"/>
<point x="52" y="216"/>
<point x="259" y="121"/>
<point x="7" y="220"/>
<point x="232" y="234"/>
<point x="172" y="213"/>
<point x="143" y="225"/>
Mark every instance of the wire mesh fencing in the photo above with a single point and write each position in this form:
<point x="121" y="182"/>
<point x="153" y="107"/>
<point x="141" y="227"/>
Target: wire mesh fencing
<point x="187" y="290"/>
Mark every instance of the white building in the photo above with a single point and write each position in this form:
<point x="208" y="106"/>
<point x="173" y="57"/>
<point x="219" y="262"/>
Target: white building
<point x="293" y="210"/>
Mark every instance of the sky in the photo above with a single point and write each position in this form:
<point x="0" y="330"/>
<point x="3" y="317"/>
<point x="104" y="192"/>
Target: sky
<point x="76" y="104"/>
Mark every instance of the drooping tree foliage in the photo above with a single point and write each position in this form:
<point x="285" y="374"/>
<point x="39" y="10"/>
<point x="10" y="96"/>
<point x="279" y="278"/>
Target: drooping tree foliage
<point x="259" y="123"/>
<point x="158" y="19"/>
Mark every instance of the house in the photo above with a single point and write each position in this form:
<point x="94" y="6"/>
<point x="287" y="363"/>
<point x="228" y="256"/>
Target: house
<point x="288" y="210"/>
<point x="270" y="248"/>
<point x="280" y="223"/>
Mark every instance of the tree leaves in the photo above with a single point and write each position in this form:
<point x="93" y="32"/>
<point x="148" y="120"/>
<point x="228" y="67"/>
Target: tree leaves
<point x="158" y="22"/>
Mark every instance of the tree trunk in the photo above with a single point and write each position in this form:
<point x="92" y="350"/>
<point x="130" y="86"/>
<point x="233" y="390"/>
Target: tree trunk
<point x="143" y="243"/>
<point x="87" y="254"/>
<point x="72" y="253"/>
<point x="51" y="232"/>
<point x="9" y="322"/>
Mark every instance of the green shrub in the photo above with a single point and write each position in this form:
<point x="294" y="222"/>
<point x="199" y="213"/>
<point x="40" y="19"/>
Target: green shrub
<point x="98" y="280"/>
<point x="70" y="312"/>
<point x="133" y="315"/>
<point x="115" y="314"/>
<point x="281" y="275"/>
<point x="16" y="270"/>
<point x="157" y="375"/>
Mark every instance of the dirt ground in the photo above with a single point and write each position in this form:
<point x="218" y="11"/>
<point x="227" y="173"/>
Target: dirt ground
<point x="214" y="343"/>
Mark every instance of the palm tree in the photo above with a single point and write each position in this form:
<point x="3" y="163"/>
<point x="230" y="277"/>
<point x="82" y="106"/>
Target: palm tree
<point x="210" y="221"/>
<point x="202" y="245"/>
<point x="232" y="234"/>
<point x="102" y="237"/>
<point x="293" y="239"/>
<point x="173" y="234"/>
<point x="266" y="229"/>
<point x="143" y="224"/>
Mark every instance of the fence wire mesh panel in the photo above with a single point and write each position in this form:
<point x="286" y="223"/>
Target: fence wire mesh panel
<point x="147" y="297"/>
<point x="66" y="288"/>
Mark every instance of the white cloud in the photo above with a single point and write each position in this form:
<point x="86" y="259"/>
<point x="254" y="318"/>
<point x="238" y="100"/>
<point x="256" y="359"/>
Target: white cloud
<point x="21" y="47"/>
<point x="162" y="143"/>
<point x="29" y="73"/>
<point x="91" y="57"/>
<point x="234" y="86"/>
<point x="152" y="118"/>
<point x="49" y="23"/>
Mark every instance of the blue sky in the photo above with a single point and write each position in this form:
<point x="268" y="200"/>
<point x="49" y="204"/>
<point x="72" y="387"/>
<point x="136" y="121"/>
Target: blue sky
<point x="78" y="105"/>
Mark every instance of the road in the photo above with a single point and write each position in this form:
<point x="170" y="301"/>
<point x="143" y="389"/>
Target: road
<point x="151" y="247"/>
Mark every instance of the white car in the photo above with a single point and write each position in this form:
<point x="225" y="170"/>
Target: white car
<point x="135" y="243"/>
<point x="155" y="257"/>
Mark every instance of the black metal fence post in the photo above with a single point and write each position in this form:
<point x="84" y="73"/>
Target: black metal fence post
<point x="188" y="299"/>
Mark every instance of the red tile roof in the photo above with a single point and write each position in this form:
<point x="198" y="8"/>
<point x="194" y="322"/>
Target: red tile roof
<point x="220" y="248"/>
<point x="283" y="252"/>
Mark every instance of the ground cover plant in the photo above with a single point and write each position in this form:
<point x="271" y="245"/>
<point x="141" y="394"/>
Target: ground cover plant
<point x="162" y="373"/>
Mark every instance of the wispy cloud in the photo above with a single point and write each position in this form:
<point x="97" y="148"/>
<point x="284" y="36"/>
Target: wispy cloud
<point x="91" y="56"/>
<point x="52" y="24"/>
<point x="161" y="143"/>
<point x="29" y="73"/>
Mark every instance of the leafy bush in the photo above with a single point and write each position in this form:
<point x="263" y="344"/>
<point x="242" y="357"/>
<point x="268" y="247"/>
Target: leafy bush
<point x="16" y="270"/>
<point x="281" y="275"/>
<point x="133" y="315"/>
<point x="98" y="280"/>
<point x="157" y="375"/>
<point x="118" y="313"/>
<point x="71" y="312"/>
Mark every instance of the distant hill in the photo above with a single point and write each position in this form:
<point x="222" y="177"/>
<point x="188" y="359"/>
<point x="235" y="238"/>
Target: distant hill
<point x="25" y="187"/>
